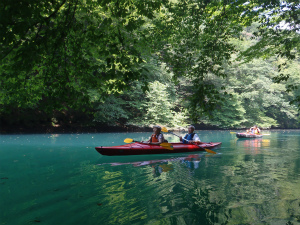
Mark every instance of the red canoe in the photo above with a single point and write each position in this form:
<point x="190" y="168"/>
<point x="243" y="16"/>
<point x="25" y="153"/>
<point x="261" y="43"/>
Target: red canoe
<point x="145" y="149"/>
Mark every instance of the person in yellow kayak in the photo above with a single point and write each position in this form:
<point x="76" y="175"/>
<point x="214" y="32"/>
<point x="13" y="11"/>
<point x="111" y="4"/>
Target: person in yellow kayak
<point x="190" y="136"/>
<point x="254" y="130"/>
<point x="157" y="137"/>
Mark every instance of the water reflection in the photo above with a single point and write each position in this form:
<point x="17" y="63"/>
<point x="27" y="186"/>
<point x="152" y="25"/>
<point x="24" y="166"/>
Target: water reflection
<point x="203" y="207"/>
<point x="165" y="165"/>
<point x="253" y="146"/>
<point x="158" y="169"/>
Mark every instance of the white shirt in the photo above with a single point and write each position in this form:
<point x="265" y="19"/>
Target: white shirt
<point x="196" y="138"/>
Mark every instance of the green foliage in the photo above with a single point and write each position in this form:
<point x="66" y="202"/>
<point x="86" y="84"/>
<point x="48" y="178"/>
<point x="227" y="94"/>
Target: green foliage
<point x="111" y="111"/>
<point x="158" y="106"/>
<point x="230" y="113"/>
<point x="62" y="50"/>
<point x="63" y="55"/>
<point x="264" y="103"/>
<point x="127" y="107"/>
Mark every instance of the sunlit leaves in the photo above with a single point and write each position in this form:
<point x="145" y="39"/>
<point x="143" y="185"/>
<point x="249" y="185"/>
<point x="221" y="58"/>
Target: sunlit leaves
<point x="73" y="46"/>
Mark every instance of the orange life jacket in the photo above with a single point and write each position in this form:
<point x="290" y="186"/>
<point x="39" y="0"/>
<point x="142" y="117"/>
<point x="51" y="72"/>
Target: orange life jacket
<point x="154" y="138"/>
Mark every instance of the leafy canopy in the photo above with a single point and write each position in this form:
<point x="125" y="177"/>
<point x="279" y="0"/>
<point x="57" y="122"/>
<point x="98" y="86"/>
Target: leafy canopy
<point x="53" y="53"/>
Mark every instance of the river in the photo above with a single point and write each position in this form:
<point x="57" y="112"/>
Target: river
<point x="61" y="179"/>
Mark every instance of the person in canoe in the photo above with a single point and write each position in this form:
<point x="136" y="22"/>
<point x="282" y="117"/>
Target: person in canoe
<point x="190" y="136"/>
<point x="254" y="130"/>
<point x="157" y="137"/>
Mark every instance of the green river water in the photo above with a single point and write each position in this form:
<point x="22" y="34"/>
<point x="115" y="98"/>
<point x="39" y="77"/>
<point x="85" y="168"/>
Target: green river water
<point x="54" y="179"/>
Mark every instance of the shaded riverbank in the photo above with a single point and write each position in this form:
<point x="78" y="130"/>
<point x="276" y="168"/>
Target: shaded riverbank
<point x="81" y="128"/>
<point x="39" y="129"/>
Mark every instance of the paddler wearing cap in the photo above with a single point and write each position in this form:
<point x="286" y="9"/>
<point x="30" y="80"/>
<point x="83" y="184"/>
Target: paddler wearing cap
<point x="157" y="137"/>
<point x="190" y="136"/>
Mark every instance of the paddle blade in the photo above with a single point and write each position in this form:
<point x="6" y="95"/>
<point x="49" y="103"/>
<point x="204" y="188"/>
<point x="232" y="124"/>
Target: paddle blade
<point x="233" y="132"/>
<point x="164" y="129"/>
<point x="167" y="146"/>
<point x="128" y="140"/>
<point x="210" y="151"/>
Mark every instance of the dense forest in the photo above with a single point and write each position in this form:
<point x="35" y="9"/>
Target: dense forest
<point x="224" y="64"/>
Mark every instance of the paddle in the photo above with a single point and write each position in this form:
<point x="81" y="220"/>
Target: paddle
<point x="164" y="129"/>
<point x="164" y="144"/>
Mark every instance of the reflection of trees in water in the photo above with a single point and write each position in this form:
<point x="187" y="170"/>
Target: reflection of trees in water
<point x="169" y="195"/>
<point x="154" y="195"/>
<point x="248" y="189"/>
<point x="202" y="210"/>
<point x="260" y="193"/>
<point x="192" y="206"/>
<point x="121" y="203"/>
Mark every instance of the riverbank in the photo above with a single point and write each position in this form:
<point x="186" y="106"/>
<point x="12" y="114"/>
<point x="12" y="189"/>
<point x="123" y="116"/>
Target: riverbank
<point x="70" y="129"/>
<point x="80" y="128"/>
<point x="99" y="128"/>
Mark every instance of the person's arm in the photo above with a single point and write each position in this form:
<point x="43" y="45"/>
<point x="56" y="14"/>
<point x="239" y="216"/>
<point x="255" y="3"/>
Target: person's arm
<point x="196" y="138"/>
<point x="161" y="139"/>
<point x="149" y="140"/>
<point x="183" y="140"/>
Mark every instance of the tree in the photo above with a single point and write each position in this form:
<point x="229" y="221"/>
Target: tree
<point x="230" y="113"/>
<point x="159" y="107"/>
<point x="53" y="54"/>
